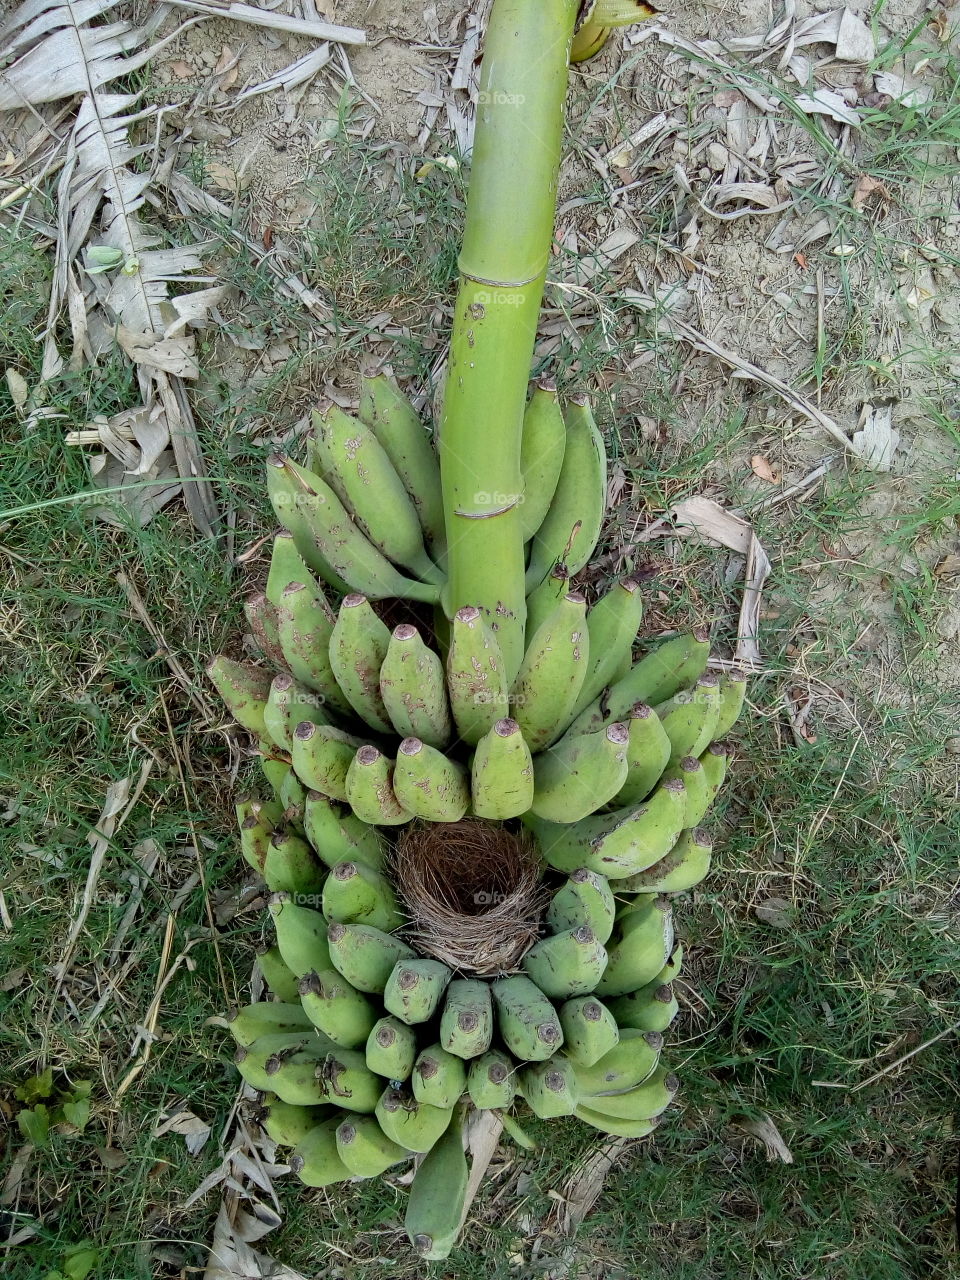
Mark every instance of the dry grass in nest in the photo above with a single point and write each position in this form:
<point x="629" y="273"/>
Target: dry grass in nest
<point x="473" y="892"/>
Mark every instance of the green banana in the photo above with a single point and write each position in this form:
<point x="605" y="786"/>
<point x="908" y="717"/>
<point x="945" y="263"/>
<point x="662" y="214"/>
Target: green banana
<point x="267" y="1018"/>
<point x="585" y="899"/>
<point x="391" y="1048"/>
<point x="576" y="776"/>
<point x="286" y="565"/>
<point x="365" y="1149"/>
<point x="356" y="894"/>
<point x="654" y="679"/>
<point x="526" y="1019"/>
<point x="733" y="692"/>
<point x="439" y="1077"/>
<point x="613" y="623"/>
<point x="365" y="956"/>
<point x="301" y="935"/>
<point x="616" y="1128"/>
<point x="262" y="620"/>
<point x="466" y="1024"/>
<point x="336" y="1008"/>
<point x="358" y="646"/>
<point x="279" y="774"/>
<point x="338" y="835"/>
<point x="414" y="690"/>
<point x="305" y="625"/>
<point x="684" y="866"/>
<point x="501" y="781"/>
<point x="348" y="1082"/>
<point x="293" y="796"/>
<point x="715" y="761"/>
<point x="316" y="1161"/>
<point x="364" y="478"/>
<point x="328" y="539"/>
<point x="322" y="757"/>
<point x="252" y="1060"/>
<point x="281" y="979"/>
<point x="287" y="1126"/>
<point x="673" y="966"/>
<point x="639" y="947"/>
<point x="551" y="674"/>
<point x="616" y="844"/>
<point x="394" y="421"/>
<point x="651" y="1008"/>
<point x="571" y="527"/>
<point x="476" y="680"/>
<point x="293" y="1075"/>
<point x="245" y="689"/>
<point x="438" y="1196"/>
<point x="408" y="1123"/>
<point x="290" y="866"/>
<point x="648" y="754"/>
<point x="429" y="784"/>
<point x="255" y="837"/>
<point x="293" y="502"/>
<point x="542" y="448"/>
<point x="551" y="1088"/>
<point x="491" y="1080"/>
<point x="689" y="719"/>
<point x="644" y="1102"/>
<point x="697" y="790"/>
<point x="632" y="1060"/>
<point x="369" y="789"/>
<point x="289" y="703"/>
<point x="543" y="600"/>
<point x="589" y="1030"/>
<point x="566" y="964"/>
<point x="415" y="988"/>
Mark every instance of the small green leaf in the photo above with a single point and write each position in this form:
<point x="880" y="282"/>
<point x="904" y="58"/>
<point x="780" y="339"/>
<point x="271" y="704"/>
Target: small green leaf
<point x="37" y="1087"/>
<point x="35" y="1124"/>
<point x="80" y="1260"/>
<point x="77" y="1113"/>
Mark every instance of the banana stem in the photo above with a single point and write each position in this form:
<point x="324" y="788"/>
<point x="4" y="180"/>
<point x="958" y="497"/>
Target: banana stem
<point x="506" y="245"/>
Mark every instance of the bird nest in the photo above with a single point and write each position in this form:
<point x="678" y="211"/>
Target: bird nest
<point x="473" y="892"/>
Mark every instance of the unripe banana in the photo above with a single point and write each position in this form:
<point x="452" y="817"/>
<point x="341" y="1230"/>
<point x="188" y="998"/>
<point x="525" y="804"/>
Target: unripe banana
<point x="684" y="866"/>
<point x="286" y="565"/>
<point x="301" y="935"/>
<point x="330" y="542"/>
<point x="364" y="478"/>
<point x="338" y="835"/>
<point x="365" y="1149"/>
<point x="316" y="1161"/>
<point x="648" y="754"/>
<point x="267" y="1018"/>
<point x="715" y="761"/>
<point x="255" y="837"/>
<point x="408" y="1123"/>
<point x="262" y="620"/>
<point x="689" y="719"/>
<point x="322" y="757"/>
<point x="652" y="1008"/>
<point x="585" y="899"/>
<point x="290" y="866"/>
<point x="656" y="677"/>
<point x="466" y="1024"/>
<point x="550" y="1088"/>
<point x="391" y="1048"/>
<point x="542" y="601"/>
<point x="571" y="527"/>
<point x="415" y="988"/>
<point x="613" y="623"/>
<point x="365" y="956"/>
<point x="542" y="448"/>
<point x="269" y="813"/>
<point x="501" y="782"/>
<point x="672" y="968"/>
<point x="616" y="1128"/>
<point x="252" y="1060"/>
<point x="348" y="1082"/>
<point x="439" y="1077"/>
<point x="632" y="1060"/>
<point x="644" y="1102"/>
<point x="394" y="421"/>
<point x="551" y="674"/>
<point x="296" y="545"/>
<point x="293" y="797"/>
<point x="369" y="789"/>
<point x="245" y="689"/>
<point x="476" y="680"/>
<point x="292" y="1076"/>
<point x="566" y="964"/>
<point x="589" y="1030"/>
<point x="576" y="776"/>
<point x="279" y="775"/>
<point x="289" y="703"/>
<point x="617" y="844"/>
<point x="336" y="1008"/>
<point x="639" y="947"/>
<point x="305" y="624"/>
<point x="358" y="646"/>
<point x="733" y="692"/>
<point x="697" y="790"/>
<point x="526" y="1019"/>
<point x="278" y="976"/>
<point x="429" y="784"/>
<point x="438" y="1196"/>
<point x="414" y="690"/>
<point x="491" y="1080"/>
<point x="356" y="894"/>
<point x="287" y="1126"/>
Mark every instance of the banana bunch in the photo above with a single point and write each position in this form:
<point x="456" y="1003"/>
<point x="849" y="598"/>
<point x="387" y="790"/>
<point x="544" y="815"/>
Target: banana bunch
<point x="368" y="1051"/>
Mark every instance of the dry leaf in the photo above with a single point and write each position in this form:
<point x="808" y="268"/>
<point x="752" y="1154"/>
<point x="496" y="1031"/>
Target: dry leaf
<point x="225" y="178"/>
<point x="775" y="912"/>
<point x="855" y="42"/>
<point x="866" y="187"/>
<point x="762" y="469"/>
<point x="182" y="70"/>
<point x="18" y="388"/>
<point x="875" y="440"/>
<point x="949" y="567"/>
<point x="763" y="1128"/>
<point x="585" y="1187"/>
<point x="193" y="1130"/>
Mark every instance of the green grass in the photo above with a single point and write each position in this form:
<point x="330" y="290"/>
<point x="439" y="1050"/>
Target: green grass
<point x="857" y="833"/>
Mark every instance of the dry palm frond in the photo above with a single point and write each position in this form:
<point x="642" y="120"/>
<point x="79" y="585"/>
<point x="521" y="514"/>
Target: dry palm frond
<point x="473" y="893"/>
<point x="58" y="52"/>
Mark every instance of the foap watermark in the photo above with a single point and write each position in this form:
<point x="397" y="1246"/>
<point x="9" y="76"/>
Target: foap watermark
<point x="485" y="898"/>
<point x="498" y="298"/>
<point x="500" y="98"/>
<point x="498" y="500"/>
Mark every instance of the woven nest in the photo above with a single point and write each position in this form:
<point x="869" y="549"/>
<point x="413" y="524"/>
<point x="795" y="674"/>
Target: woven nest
<point x="473" y="893"/>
